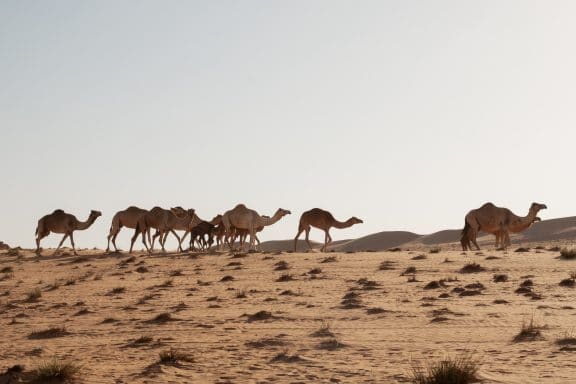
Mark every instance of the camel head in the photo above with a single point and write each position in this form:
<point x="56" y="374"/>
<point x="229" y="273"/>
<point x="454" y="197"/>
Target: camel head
<point x="282" y="212"/>
<point x="95" y="214"/>
<point x="355" y="220"/>
<point x="181" y="212"/>
<point x="536" y="207"/>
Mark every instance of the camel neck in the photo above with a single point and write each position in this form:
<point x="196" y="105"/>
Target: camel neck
<point x="86" y="224"/>
<point x="345" y="224"/>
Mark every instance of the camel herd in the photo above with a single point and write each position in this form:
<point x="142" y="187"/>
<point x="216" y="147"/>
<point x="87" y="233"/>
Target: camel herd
<point x="237" y="223"/>
<point x="241" y="222"/>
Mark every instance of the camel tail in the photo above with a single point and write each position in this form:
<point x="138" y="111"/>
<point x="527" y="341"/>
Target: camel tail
<point x="466" y="228"/>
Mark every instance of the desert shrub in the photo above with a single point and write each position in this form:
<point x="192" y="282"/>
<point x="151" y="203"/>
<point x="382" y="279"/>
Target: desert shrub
<point x="568" y="254"/>
<point x="458" y="370"/>
<point x="55" y="371"/>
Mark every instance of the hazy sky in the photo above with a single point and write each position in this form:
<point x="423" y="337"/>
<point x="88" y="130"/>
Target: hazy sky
<point x="406" y="114"/>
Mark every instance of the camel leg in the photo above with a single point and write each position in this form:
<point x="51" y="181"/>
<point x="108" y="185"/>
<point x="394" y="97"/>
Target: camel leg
<point x="308" y="237"/>
<point x="183" y="238"/>
<point x="154" y="238"/>
<point x="326" y="237"/>
<point x="61" y="242"/>
<point x="177" y="238"/>
<point x="39" y="237"/>
<point x="134" y="237"/>
<point x="114" y="241"/>
<point x="300" y="230"/>
<point x="72" y="241"/>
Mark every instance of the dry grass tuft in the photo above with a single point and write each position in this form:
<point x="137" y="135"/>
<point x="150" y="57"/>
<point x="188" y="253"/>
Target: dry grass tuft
<point x="54" y="371"/>
<point x="472" y="268"/>
<point x="529" y="331"/>
<point x="282" y="266"/>
<point x="568" y="254"/>
<point x="435" y="250"/>
<point x="324" y="330"/>
<point x="48" y="333"/>
<point x="458" y="370"/>
<point x="386" y="265"/>
<point x="500" y="278"/>
<point x="329" y="259"/>
<point x="285" y="277"/>
<point x="33" y="295"/>
<point x="117" y="291"/>
<point x="174" y="356"/>
<point x="285" y="357"/>
<point x="420" y="257"/>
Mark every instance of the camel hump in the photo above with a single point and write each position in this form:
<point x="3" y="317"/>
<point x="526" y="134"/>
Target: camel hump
<point x="58" y="212"/>
<point x="488" y="205"/>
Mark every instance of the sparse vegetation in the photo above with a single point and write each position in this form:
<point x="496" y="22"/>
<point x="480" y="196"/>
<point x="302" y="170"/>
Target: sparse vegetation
<point x="49" y="333"/>
<point x="529" y="331"/>
<point x="409" y="271"/>
<point x="117" y="290"/>
<point x="458" y="370"/>
<point x="282" y="266"/>
<point x="174" y="356"/>
<point x="7" y="269"/>
<point x="420" y="257"/>
<point x="285" y="357"/>
<point x="324" y="330"/>
<point x="472" y="268"/>
<point x="33" y="295"/>
<point x="285" y="277"/>
<point x="386" y="265"/>
<point x="435" y="250"/>
<point x="329" y="259"/>
<point x="54" y="370"/>
<point x="500" y="278"/>
<point x="568" y="254"/>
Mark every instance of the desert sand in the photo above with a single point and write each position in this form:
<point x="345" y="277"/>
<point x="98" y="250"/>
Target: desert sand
<point x="237" y="321"/>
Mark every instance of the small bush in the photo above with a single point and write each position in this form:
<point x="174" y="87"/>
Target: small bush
<point x="500" y="278"/>
<point x="568" y="254"/>
<point x="7" y="270"/>
<point x="173" y="356"/>
<point x="55" y="371"/>
<point x="419" y="257"/>
<point x="521" y="249"/>
<point x="324" y="330"/>
<point x="117" y="291"/>
<point x="409" y="271"/>
<point x="329" y="259"/>
<point x="285" y="277"/>
<point x="49" y="333"/>
<point x="386" y="265"/>
<point x="529" y="331"/>
<point x="458" y="370"/>
<point x="568" y="338"/>
<point x="282" y="266"/>
<point x="33" y="295"/>
<point x="472" y="268"/>
<point x="435" y="250"/>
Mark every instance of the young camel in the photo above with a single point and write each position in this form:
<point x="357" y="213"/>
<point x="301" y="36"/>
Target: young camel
<point x="62" y="222"/>
<point x="127" y="218"/>
<point x="323" y="220"/>
<point x="498" y="221"/>
<point x="162" y="220"/>
<point x="199" y="228"/>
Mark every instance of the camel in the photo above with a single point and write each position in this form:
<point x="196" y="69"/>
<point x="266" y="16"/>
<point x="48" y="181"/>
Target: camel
<point x="127" y="218"/>
<point x="162" y="220"/>
<point x="323" y="220"/>
<point x="194" y="232"/>
<point x="498" y="221"/>
<point x="241" y="217"/>
<point x="243" y="234"/>
<point x="62" y="222"/>
<point x="179" y="225"/>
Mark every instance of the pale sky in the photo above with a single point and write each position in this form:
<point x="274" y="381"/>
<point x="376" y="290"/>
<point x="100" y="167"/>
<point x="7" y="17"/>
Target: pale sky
<point x="406" y="114"/>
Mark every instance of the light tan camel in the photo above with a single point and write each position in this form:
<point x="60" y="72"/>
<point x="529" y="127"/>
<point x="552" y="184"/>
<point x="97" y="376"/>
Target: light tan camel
<point x="127" y="218"/>
<point x="62" y="222"/>
<point x="243" y="218"/>
<point x="323" y="220"/>
<point x="242" y="234"/>
<point x="179" y="225"/>
<point x="498" y="221"/>
<point x="162" y="220"/>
